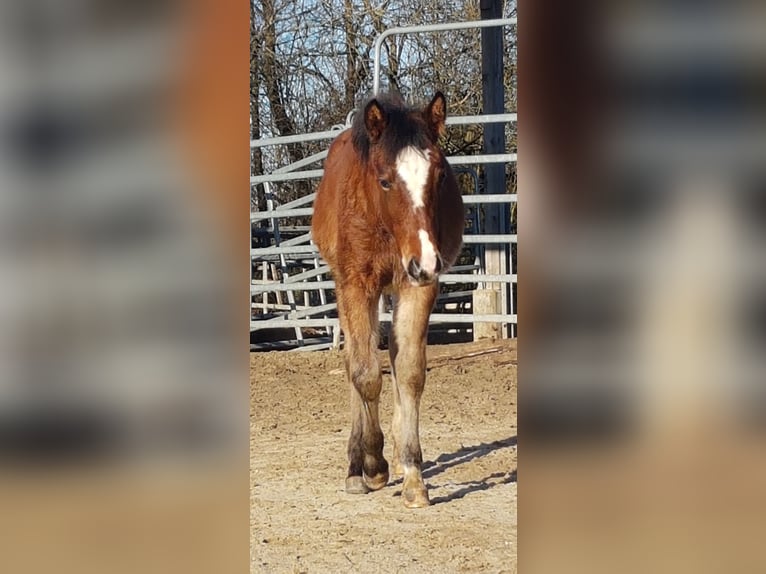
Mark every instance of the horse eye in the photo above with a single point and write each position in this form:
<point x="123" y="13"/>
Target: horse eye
<point x="385" y="184"/>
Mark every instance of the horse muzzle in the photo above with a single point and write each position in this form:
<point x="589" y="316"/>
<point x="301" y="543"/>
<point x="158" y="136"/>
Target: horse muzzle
<point x="419" y="275"/>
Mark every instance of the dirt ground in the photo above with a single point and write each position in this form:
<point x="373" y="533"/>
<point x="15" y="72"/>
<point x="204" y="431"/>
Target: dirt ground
<point x="301" y="518"/>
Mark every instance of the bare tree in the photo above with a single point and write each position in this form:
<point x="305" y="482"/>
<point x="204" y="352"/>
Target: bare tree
<point x="311" y="64"/>
<point x="256" y="155"/>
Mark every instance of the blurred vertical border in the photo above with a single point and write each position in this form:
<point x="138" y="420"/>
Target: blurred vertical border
<point x="123" y="313"/>
<point x="642" y="376"/>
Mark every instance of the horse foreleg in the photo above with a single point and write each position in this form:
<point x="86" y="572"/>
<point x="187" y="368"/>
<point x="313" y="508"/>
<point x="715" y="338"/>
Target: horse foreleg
<point x="367" y="469"/>
<point x="396" y="421"/>
<point x="408" y="353"/>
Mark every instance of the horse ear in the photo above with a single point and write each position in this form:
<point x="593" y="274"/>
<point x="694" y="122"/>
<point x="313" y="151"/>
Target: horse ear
<point x="436" y="114"/>
<point x="374" y="119"/>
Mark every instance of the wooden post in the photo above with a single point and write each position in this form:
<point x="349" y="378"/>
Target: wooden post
<point x="493" y="297"/>
<point x="485" y="302"/>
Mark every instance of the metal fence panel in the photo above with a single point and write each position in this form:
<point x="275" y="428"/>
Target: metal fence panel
<point x="291" y="287"/>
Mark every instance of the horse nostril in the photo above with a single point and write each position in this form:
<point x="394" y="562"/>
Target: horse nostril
<point x="439" y="264"/>
<point x="413" y="268"/>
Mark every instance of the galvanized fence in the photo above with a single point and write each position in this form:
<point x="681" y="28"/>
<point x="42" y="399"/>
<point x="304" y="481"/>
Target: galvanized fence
<point x="291" y="290"/>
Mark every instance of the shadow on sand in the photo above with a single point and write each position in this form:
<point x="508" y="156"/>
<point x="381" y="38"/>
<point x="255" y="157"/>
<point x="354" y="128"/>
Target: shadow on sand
<point x="462" y="456"/>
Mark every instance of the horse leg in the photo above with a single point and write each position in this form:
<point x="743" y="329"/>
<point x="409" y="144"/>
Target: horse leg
<point x="413" y="306"/>
<point x="397" y="468"/>
<point x="367" y="469"/>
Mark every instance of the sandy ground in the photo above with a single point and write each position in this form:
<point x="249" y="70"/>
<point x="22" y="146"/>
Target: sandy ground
<point x="302" y="520"/>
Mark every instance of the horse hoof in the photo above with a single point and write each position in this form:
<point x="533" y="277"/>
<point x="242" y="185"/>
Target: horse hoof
<point x="356" y="485"/>
<point x="415" y="498"/>
<point x="376" y="482"/>
<point x="397" y="469"/>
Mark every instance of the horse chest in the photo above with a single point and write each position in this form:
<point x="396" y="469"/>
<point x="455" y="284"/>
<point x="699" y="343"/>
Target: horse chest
<point x="368" y="256"/>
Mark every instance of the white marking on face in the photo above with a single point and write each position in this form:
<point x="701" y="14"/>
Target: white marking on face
<point x="412" y="166"/>
<point x="427" y="253"/>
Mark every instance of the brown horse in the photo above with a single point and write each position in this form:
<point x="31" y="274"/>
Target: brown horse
<point x="388" y="218"/>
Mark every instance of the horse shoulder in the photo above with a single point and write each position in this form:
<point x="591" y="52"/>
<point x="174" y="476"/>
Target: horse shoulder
<point x="324" y="224"/>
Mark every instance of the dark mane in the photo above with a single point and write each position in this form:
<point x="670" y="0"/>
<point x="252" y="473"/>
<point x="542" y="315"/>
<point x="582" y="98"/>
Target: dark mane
<point x="404" y="127"/>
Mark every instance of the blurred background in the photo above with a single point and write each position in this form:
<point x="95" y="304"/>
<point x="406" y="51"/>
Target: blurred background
<point x="642" y="396"/>
<point x="123" y="374"/>
<point x="123" y="146"/>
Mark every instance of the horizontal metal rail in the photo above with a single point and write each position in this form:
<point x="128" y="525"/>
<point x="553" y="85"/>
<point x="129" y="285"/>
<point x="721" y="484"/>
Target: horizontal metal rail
<point x="305" y="211"/>
<point x="291" y="176"/>
<point x="300" y="138"/>
<point x="318" y="310"/>
<point x="505" y="238"/>
<point x="300" y="201"/>
<point x="307" y="286"/>
<point x="299" y="240"/>
<point x="279" y="212"/>
<point x="278" y="323"/>
<point x="332" y="134"/>
<point x="291" y="249"/>
<point x="487" y="158"/>
<point x="302" y="162"/>
<point x="491" y="198"/>
<point x="453" y="160"/>
<point x="464" y="278"/>
<point x="482" y="119"/>
<point x="446" y="278"/>
<point x="460" y="318"/>
<point x="307" y="274"/>
<point x="255" y="252"/>
<point x="277" y="307"/>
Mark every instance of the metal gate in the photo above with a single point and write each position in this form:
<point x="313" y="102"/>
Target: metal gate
<point x="292" y="303"/>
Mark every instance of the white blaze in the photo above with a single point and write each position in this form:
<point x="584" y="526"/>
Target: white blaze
<point x="412" y="166"/>
<point x="427" y="253"/>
